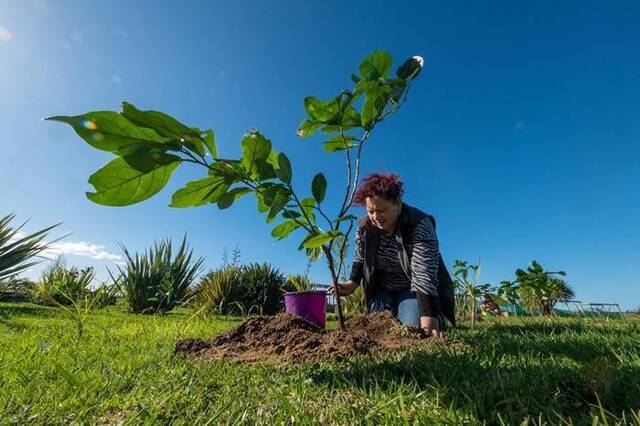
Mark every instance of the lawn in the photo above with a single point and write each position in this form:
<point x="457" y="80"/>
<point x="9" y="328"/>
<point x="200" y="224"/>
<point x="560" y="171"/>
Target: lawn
<point x="122" y="370"/>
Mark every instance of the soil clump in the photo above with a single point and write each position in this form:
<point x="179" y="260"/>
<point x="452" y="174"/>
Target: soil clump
<point x="287" y="338"/>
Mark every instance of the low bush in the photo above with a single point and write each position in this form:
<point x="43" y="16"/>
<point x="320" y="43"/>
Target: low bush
<point x="155" y="281"/>
<point x="59" y="285"/>
<point x="241" y="290"/>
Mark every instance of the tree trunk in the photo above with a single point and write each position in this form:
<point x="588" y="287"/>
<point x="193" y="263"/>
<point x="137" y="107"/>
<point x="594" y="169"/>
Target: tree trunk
<point x="334" y="278"/>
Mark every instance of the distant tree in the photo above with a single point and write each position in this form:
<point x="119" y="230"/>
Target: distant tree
<point x="540" y="290"/>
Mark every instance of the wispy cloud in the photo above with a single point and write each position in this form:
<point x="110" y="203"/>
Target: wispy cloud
<point x="75" y="248"/>
<point x="80" y="248"/>
<point x="5" y="35"/>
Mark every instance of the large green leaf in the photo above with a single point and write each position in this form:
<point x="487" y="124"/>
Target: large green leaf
<point x="374" y="102"/>
<point x="319" y="187"/>
<point x="308" y="128"/>
<point x="210" y="142"/>
<point x="319" y="110"/>
<point x="308" y="204"/>
<point x="279" y="202"/>
<point x="200" y="192"/>
<point x="376" y="65"/>
<point x="285" y="228"/>
<point x="265" y="194"/>
<point x="166" y="126"/>
<point x="110" y="131"/>
<point x="162" y="123"/>
<point x="319" y="240"/>
<point x="284" y="171"/>
<point x="226" y="200"/>
<point x="119" y="184"/>
<point x="340" y="143"/>
<point x="255" y="148"/>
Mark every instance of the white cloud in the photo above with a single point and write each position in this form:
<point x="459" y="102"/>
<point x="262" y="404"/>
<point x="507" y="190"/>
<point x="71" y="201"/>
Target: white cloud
<point x="79" y="248"/>
<point x="5" y="35"/>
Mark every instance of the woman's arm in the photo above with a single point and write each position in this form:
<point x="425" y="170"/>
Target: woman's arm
<point x="424" y="275"/>
<point x="424" y="259"/>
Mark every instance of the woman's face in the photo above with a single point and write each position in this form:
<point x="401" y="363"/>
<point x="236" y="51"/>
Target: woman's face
<point x="383" y="213"/>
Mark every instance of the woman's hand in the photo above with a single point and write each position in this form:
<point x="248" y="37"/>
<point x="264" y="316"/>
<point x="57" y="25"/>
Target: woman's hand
<point x="431" y="326"/>
<point x="344" y="289"/>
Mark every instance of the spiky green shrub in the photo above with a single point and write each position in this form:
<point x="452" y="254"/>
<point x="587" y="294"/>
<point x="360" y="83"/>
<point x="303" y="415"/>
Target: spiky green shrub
<point x="17" y="249"/>
<point x="155" y="281"/>
<point x="241" y="290"/>
<point x="214" y="291"/>
<point x="297" y="282"/>
<point x="60" y="285"/>
<point x="259" y="289"/>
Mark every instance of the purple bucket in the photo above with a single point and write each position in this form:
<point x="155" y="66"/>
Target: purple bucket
<point x="310" y="305"/>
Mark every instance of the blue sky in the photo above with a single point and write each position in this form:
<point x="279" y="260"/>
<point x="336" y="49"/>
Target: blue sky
<point x="522" y="134"/>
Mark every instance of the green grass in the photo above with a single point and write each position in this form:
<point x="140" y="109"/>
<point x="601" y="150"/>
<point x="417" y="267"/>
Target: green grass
<point x="123" y="370"/>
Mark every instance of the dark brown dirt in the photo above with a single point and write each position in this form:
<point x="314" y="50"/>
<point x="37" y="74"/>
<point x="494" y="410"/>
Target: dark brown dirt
<point x="286" y="338"/>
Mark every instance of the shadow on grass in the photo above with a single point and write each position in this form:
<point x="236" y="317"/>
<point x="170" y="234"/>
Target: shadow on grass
<point x="485" y="386"/>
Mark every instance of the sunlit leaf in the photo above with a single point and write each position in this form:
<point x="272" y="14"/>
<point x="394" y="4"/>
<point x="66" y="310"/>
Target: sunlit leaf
<point x="119" y="184"/>
<point x="110" y="131"/>
<point x="376" y="65"/>
<point x="200" y="192"/>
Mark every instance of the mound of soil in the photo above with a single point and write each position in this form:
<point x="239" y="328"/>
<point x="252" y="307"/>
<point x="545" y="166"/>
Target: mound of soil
<point x="287" y="338"/>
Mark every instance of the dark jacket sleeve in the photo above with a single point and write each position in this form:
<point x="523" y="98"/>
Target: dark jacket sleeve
<point x="357" y="267"/>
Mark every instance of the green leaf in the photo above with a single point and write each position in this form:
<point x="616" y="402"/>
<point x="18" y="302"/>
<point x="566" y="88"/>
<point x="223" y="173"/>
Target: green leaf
<point x="210" y="142"/>
<point x="110" y="131"/>
<point x="308" y="204"/>
<point x="284" y="229"/>
<point x="308" y="128"/>
<point x="264" y="170"/>
<point x="340" y="143"/>
<point x="119" y="184"/>
<point x="265" y="195"/>
<point x="319" y="187"/>
<point x="351" y="118"/>
<point x="319" y="110"/>
<point x="374" y="103"/>
<point x="200" y="192"/>
<point x="319" y="240"/>
<point x="291" y="214"/>
<point x="255" y="148"/>
<point x="355" y="78"/>
<point x="226" y="200"/>
<point x="376" y="65"/>
<point x="283" y="171"/>
<point x="162" y="123"/>
<point x="280" y="201"/>
<point x="166" y="126"/>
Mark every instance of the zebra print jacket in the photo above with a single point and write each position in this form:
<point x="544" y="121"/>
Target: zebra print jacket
<point x="427" y="280"/>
